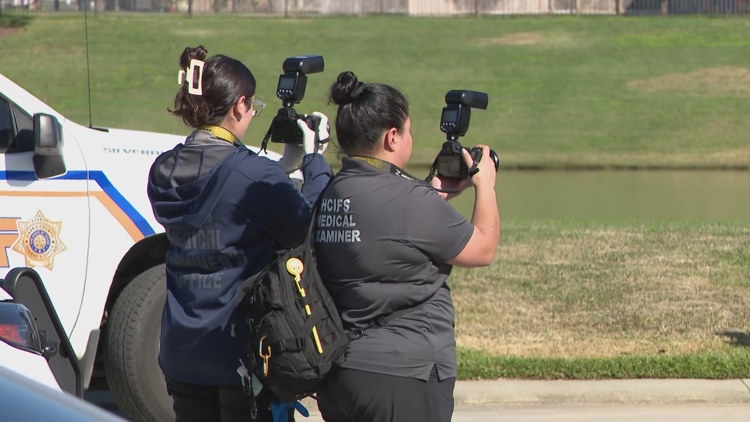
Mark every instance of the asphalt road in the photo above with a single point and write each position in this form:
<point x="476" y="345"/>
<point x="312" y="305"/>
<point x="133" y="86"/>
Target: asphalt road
<point x="701" y="412"/>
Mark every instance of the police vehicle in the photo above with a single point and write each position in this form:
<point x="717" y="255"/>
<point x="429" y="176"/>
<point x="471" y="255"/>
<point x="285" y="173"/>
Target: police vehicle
<point x="75" y="210"/>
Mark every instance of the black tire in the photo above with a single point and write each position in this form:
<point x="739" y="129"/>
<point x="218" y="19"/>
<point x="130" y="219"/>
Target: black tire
<point x="132" y="341"/>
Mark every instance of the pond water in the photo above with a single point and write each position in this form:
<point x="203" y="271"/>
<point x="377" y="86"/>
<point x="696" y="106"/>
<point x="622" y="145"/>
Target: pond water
<point x="620" y="195"/>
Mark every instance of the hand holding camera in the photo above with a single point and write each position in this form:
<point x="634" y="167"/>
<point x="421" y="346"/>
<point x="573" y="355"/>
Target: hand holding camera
<point x="454" y="122"/>
<point x="314" y="139"/>
<point x="288" y="126"/>
<point x="456" y="167"/>
<point x="482" y="163"/>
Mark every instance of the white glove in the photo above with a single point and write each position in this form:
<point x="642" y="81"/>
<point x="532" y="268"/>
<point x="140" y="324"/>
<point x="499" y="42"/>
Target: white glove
<point x="292" y="158"/>
<point x="315" y="142"/>
<point x="324" y="135"/>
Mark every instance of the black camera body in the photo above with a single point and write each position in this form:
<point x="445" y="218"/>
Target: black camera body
<point x="284" y="127"/>
<point x="454" y="122"/>
<point x="291" y="90"/>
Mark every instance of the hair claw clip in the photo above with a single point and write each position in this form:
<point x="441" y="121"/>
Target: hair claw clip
<point x="193" y="87"/>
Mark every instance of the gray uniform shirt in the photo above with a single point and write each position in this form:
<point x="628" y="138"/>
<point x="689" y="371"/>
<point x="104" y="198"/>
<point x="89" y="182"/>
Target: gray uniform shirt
<point x="382" y="241"/>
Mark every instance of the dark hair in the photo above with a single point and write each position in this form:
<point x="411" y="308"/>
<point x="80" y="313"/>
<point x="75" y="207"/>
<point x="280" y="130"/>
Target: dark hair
<point x="224" y="81"/>
<point x="365" y="111"/>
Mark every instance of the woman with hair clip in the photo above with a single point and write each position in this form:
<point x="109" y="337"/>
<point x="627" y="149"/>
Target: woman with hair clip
<point x="225" y="210"/>
<point x="385" y="245"/>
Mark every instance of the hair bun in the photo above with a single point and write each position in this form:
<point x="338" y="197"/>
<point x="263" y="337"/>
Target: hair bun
<point x="346" y="89"/>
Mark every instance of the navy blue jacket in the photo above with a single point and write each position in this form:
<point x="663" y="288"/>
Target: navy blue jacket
<point x="225" y="211"/>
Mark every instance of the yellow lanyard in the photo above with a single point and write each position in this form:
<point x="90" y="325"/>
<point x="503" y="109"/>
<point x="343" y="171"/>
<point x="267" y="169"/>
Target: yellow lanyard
<point x="220" y="133"/>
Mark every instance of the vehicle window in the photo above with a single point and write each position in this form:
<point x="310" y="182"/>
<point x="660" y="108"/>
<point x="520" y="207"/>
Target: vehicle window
<point x="16" y="128"/>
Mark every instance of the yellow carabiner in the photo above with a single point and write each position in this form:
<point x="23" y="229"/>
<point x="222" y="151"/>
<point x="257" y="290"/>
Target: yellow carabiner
<point x="266" y="356"/>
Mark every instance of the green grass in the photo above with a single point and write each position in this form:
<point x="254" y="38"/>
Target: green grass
<point x="564" y="91"/>
<point x="729" y="365"/>
<point x="562" y="299"/>
<point x="618" y="300"/>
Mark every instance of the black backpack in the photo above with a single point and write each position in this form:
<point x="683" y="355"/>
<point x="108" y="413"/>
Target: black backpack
<point x="299" y="336"/>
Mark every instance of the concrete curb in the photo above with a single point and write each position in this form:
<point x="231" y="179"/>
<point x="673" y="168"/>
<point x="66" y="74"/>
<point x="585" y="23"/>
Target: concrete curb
<point x="642" y="391"/>
<point x="638" y="391"/>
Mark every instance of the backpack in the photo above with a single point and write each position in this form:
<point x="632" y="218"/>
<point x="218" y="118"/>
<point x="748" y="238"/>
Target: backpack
<point x="298" y="331"/>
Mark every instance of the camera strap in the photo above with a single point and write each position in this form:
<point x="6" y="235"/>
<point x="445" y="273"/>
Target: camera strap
<point x="433" y="170"/>
<point x="384" y="166"/>
<point x="264" y="144"/>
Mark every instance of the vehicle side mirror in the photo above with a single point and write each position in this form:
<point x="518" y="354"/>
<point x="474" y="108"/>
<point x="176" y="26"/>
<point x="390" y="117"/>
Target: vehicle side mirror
<point x="26" y="287"/>
<point x="48" y="142"/>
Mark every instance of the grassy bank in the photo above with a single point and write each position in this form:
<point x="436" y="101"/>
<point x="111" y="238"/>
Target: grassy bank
<point x="629" y="300"/>
<point x="564" y="91"/>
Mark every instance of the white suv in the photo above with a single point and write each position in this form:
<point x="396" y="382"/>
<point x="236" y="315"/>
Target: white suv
<point x="75" y="210"/>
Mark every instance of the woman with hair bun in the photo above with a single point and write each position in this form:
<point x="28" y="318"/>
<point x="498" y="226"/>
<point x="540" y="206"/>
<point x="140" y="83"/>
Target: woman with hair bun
<point x="385" y="244"/>
<point x="226" y="210"/>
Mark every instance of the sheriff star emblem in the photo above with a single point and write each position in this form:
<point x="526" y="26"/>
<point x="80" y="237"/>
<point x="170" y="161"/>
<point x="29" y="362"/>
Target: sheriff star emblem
<point x="38" y="240"/>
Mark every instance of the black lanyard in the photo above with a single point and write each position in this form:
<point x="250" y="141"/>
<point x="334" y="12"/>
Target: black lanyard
<point x="385" y="166"/>
<point x="392" y="168"/>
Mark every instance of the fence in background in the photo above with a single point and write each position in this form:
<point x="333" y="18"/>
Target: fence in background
<point x="404" y="7"/>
